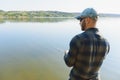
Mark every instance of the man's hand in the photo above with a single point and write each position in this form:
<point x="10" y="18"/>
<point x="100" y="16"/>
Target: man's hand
<point x="66" y="51"/>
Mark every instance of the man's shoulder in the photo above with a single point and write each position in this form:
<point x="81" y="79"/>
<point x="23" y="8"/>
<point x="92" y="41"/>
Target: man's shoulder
<point x="82" y="35"/>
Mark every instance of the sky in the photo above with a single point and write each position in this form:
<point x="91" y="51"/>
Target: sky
<point x="101" y="6"/>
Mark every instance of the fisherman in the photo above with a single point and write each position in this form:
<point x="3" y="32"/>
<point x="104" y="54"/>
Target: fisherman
<point x="87" y="50"/>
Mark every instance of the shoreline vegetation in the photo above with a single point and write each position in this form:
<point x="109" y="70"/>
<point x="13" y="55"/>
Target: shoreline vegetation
<point x="38" y="16"/>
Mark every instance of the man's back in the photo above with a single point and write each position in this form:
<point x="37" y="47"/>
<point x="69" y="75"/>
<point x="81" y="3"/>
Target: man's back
<point x="86" y="54"/>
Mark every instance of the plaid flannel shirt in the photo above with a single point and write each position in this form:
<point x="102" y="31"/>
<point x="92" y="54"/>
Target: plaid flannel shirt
<point x="86" y="54"/>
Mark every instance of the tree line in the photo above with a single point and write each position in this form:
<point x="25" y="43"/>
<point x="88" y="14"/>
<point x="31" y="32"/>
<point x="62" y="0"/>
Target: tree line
<point x="33" y="14"/>
<point x="42" y="14"/>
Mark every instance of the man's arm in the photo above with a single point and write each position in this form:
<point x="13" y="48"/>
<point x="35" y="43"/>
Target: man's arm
<point x="70" y="56"/>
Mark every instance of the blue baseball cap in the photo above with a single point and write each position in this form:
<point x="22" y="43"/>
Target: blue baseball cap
<point x="88" y="12"/>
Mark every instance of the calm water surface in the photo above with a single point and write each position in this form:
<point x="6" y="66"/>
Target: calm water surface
<point x="35" y="50"/>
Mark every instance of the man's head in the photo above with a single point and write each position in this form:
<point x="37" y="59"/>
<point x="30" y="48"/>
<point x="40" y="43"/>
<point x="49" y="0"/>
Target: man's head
<point x="88" y="12"/>
<point x="88" y="18"/>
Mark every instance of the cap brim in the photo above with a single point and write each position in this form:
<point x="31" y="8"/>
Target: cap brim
<point x="78" y="17"/>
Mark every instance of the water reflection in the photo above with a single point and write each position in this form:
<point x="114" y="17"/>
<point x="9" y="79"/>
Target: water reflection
<point x="2" y="20"/>
<point x="34" y="51"/>
<point x="41" y="20"/>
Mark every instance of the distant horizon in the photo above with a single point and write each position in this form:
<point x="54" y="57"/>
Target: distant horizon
<point x="59" y="11"/>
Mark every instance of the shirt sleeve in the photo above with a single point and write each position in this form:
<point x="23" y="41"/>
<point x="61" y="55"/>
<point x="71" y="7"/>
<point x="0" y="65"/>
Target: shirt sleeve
<point x="70" y="57"/>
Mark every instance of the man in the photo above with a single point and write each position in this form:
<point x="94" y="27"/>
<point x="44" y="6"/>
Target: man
<point x="87" y="50"/>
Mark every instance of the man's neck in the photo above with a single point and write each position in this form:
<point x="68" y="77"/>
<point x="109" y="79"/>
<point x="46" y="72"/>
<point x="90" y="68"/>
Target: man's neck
<point x="90" y="27"/>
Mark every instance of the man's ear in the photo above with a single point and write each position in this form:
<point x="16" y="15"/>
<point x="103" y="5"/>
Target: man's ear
<point x="87" y="20"/>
